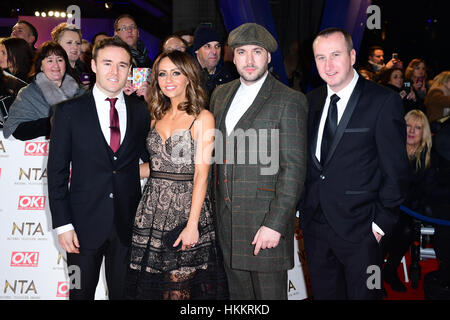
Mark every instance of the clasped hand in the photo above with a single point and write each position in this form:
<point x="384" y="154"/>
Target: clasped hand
<point x="188" y="237"/>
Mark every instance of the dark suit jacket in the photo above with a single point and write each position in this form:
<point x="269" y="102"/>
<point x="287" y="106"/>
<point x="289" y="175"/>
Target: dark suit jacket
<point x="253" y="197"/>
<point x="365" y="176"/>
<point x="104" y="187"/>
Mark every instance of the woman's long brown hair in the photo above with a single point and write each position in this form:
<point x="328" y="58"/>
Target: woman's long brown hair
<point x="196" y="97"/>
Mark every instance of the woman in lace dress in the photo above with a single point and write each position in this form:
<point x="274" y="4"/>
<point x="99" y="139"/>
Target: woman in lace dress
<point x="174" y="253"/>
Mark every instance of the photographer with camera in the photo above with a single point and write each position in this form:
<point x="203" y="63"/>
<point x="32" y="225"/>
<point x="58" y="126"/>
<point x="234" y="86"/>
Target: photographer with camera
<point x="375" y="61"/>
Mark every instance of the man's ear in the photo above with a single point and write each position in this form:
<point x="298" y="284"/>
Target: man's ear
<point x="93" y="66"/>
<point x="353" y="56"/>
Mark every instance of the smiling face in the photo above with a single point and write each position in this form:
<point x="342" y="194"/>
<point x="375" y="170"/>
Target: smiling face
<point x="251" y="62"/>
<point x="71" y="42"/>
<point x="172" y="81"/>
<point x="334" y="61"/>
<point x="111" y="66"/>
<point x="54" y="68"/>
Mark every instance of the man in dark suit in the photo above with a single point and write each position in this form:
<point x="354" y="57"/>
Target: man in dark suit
<point x="256" y="196"/>
<point x="96" y="142"/>
<point x="356" y="176"/>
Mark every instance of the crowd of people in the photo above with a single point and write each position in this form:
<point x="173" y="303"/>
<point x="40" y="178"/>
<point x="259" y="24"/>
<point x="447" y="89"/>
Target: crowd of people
<point x="426" y="104"/>
<point x="349" y="153"/>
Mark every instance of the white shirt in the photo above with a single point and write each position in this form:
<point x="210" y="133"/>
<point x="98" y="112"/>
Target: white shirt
<point x="242" y="100"/>
<point x="344" y="95"/>
<point x="102" y="106"/>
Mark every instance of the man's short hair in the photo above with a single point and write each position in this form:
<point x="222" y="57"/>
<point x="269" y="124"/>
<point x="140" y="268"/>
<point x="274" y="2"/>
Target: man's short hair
<point x="125" y="15"/>
<point x="326" y="32"/>
<point x="101" y="33"/>
<point x="32" y="28"/>
<point x="372" y="50"/>
<point x="110" y="42"/>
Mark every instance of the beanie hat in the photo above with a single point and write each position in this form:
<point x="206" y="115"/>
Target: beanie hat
<point x="203" y="35"/>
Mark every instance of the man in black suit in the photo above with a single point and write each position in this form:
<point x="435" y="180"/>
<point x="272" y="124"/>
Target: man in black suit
<point x="356" y="176"/>
<point x="96" y="142"/>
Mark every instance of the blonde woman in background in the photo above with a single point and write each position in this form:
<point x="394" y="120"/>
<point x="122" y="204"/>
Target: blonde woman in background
<point x="70" y="38"/>
<point x="423" y="180"/>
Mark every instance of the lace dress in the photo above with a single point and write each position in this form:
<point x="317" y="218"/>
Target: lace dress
<point x="156" y="270"/>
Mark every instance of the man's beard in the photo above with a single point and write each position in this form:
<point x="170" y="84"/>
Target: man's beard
<point x="255" y="76"/>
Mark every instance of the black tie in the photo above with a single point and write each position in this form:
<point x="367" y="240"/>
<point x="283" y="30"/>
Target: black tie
<point x="329" y="129"/>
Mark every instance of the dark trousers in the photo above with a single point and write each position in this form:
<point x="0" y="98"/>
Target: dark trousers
<point x="254" y="285"/>
<point x="442" y="248"/>
<point x="340" y="269"/>
<point x="397" y="243"/>
<point x="89" y="262"/>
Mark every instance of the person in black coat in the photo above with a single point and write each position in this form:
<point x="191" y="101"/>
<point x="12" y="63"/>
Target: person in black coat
<point x="9" y="87"/>
<point x="96" y="142"/>
<point x="394" y="79"/>
<point x="356" y="175"/>
<point x="422" y="186"/>
<point x="207" y="49"/>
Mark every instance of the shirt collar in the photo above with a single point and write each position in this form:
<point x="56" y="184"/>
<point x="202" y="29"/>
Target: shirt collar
<point x="345" y="93"/>
<point x="254" y="86"/>
<point x="100" y="95"/>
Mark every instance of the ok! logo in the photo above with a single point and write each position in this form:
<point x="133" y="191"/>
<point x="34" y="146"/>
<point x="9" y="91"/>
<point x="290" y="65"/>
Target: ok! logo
<point x="62" y="289"/>
<point x="36" y="148"/>
<point x="24" y="259"/>
<point x="31" y="203"/>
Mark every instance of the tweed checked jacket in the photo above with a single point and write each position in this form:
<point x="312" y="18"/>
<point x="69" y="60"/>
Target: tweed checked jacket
<point x="247" y="197"/>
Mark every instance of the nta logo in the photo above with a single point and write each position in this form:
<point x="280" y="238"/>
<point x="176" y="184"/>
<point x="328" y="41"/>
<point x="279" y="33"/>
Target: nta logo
<point x="19" y="287"/>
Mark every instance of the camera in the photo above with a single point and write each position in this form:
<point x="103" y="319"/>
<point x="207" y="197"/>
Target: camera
<point x="395" y="56"/>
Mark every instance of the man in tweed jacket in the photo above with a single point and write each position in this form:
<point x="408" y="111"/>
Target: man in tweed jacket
<point x="260" y="168"/>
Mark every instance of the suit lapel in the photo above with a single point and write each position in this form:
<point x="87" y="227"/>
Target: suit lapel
<point x="130" y="118"/>
<point x="317" y="114"/>
<point x="351" y="105"/>
<point x="227" y="103"/>
<point x="95" y="125"/>
<point x="246" y="121"/>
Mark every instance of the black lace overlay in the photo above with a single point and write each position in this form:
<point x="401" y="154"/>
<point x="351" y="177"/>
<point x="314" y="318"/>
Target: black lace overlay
<point x="156" y="270"/>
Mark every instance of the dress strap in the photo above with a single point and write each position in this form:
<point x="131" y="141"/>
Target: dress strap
<point x="192" y="124"/>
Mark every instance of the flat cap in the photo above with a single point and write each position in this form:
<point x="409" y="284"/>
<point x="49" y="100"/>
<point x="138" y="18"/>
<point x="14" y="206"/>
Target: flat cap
<point x="252" y="33"/>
